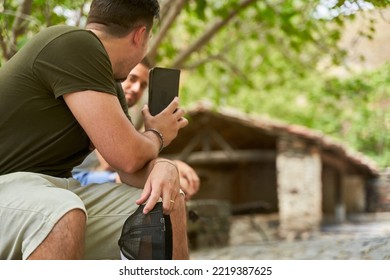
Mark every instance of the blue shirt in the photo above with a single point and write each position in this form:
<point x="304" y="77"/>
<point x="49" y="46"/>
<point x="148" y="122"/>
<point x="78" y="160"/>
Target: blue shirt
<point x="89" y="177"/>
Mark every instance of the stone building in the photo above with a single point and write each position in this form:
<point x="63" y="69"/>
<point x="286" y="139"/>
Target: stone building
<point x="259" y="165"/>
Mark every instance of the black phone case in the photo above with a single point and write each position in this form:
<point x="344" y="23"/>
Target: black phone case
<point x="163" y="87"/>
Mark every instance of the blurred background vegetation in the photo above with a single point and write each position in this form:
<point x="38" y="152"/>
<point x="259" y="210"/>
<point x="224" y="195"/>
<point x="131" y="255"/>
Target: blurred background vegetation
<point x="278" y="58"/>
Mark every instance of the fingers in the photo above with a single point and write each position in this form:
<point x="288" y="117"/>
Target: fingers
<point x="190" y="188"/>
<point x="150" y="196"/>
<point x="145" y="111"/>
<point x="177" y="112"/>
<point x="169" y="203"/>
<point x="153" y="199"/>
<point x="193" y="179"/>
<point x="189" y="179"/>
<point x="186" y="187"/>
<point x="145" y="194"/>
<point x="161" y="185"/>
<point x="183" y="122"/>
<point x="173" y="106"/>
<point x="168" y="122"/>
<point x="171" y="109"/>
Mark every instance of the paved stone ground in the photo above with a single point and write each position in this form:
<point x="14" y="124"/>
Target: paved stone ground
<point x="364" y="237"/>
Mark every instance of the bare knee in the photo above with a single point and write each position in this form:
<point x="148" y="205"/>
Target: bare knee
<point x="66" y="239"/>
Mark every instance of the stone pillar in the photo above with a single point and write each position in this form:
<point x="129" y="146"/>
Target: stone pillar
<point x="383" y="189"/>
<point x="299" y="187"/>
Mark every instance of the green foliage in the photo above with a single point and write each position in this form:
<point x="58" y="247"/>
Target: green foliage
<point x="363" y="112"/>
<point x="269" y="65"/>
<point x="14" y="33"/>
<point x="259" y="56"/>
<point x="354" y="110"/>
<point x="267" y="40"/>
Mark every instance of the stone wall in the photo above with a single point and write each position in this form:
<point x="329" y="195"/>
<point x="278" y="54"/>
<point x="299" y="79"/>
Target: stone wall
<point x="383" y="192"/>
<point x="211" y="225"/>
<point x="299" y="188"/>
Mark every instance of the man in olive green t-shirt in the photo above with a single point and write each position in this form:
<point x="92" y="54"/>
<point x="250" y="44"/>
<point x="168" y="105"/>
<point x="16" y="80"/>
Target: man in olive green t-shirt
<point x="96" y="170"/>
<point x="58" y="101"/>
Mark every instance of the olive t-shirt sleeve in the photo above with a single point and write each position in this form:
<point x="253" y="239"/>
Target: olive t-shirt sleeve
<point x="122" y="100"/>
<point x="75" y="61"/>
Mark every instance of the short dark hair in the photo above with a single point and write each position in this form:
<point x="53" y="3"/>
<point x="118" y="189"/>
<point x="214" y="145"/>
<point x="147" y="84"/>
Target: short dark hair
<point x="119" y="17"/>
<point x="145" y="61"/>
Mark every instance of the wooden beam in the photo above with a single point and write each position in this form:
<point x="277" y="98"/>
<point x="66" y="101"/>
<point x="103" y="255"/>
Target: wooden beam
<point x="335" y="162"/>
<point x="228" y="157"/>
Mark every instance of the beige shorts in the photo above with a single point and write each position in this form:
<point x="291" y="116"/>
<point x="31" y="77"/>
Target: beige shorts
<point x="31" y="204"/>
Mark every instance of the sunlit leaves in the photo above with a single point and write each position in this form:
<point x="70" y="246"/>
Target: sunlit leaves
<point x="264" y="59"/>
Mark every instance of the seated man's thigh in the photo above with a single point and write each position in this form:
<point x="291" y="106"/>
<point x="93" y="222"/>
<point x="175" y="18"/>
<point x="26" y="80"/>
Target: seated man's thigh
<point x="30" y="205"/>
<point x="108" y="206"/>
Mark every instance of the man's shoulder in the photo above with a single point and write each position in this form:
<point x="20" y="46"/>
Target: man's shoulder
<point x="62" y="41"/>
<point x="61" y="29"/>
<point x="56" y="31"/>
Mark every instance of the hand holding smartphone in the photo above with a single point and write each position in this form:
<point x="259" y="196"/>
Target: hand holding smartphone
<point x="163" y="88"/>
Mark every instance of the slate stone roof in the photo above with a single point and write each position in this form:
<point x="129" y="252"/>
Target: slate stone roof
<point x="243" y="132"/>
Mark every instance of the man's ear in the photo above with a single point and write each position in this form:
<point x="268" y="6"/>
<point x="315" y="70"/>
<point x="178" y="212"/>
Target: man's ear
<point x="139" y="35"/>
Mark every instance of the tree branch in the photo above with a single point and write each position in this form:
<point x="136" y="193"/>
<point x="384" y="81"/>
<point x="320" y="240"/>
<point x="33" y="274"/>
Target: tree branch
<point x="19" y="26"/>
<point x="165" y="6"/>
<point x="210" y="32"/>
<point x="48" y="13"/>
<point x="3" y="45"/>
<point x="167" y="22"/>
<point x="80" y="14"/>
<point x="209" y="58"/>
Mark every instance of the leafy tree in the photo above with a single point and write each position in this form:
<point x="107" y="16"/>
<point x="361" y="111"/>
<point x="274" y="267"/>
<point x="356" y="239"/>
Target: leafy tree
<point x="190" y="32"/>
<point x="21" y="19"/>
<point x="261" y="56"/>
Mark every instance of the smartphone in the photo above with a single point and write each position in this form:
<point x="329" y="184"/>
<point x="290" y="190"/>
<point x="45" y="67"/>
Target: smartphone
<point x="163" y="87"/>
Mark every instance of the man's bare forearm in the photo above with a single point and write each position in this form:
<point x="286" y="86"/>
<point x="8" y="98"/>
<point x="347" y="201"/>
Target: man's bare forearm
<point x="137" y="179"/>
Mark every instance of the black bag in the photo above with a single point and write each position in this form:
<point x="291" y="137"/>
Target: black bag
<point x="147" y="237"/>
